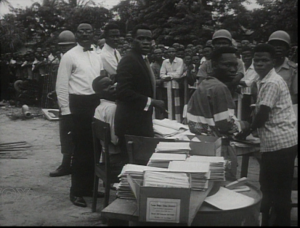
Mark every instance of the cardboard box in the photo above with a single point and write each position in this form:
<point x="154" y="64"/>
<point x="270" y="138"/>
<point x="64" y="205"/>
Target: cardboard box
<point x="158" y="204"/>
<point x="208" y="145"/>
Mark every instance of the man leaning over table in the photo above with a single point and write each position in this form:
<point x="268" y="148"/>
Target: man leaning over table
<point x="210" y="110"/>
<point x="275" y="122"/>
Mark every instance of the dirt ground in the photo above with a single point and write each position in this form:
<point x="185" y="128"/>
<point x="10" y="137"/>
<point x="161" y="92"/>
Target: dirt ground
<point x="28" y="196"/>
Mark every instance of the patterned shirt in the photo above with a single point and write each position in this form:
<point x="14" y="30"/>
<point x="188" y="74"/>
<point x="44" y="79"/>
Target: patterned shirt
<point x="279" y="131"/>
<point x="289" y="72"/>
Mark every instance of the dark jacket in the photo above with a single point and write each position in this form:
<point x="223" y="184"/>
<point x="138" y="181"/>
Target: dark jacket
<point x="133" y="89"/>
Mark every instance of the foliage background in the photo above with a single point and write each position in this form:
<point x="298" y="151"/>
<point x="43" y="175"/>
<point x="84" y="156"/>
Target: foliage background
<point x="182" y="21"/>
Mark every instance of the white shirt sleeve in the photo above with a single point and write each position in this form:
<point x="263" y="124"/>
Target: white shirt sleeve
<point x="148" y="104"/>
<point x="62" y="84"/>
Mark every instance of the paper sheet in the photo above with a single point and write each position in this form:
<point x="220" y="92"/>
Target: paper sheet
<point x="226" y="199"/>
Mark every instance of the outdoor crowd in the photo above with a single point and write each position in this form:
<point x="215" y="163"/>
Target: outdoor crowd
<point x="133" y="76"/>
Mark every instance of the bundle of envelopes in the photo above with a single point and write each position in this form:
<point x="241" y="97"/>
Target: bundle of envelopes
<point x="199" y="172"/>
<point x="166" y="127"/>
<point x="166" y="179"/>
<point x="216" y="165"/>
<point x="136" y="172"/>
<point x="162" y="160"/>
<point x="173" y="147"/>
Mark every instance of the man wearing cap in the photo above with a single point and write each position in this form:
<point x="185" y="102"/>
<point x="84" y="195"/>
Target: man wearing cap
<point x="77" y="70"/>
<point x="66" y="42"/>
<point x="286" y="68"/>
<point x="110" y="55"/>
<point x="222" y="38"/>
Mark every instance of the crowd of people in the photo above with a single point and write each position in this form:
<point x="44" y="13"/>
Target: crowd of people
<point x="126" y="81"/>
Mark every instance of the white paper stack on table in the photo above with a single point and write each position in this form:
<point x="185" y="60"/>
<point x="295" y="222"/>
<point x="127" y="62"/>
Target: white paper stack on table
<point x="166" y="127"/>
<point x="216" y="165"/>
<point x="173" y="147"/>
<point x="199" y="172"/>
<point x="136" y="172"/>
<point x="166" y="179"/>
<point x="162" y="160"/>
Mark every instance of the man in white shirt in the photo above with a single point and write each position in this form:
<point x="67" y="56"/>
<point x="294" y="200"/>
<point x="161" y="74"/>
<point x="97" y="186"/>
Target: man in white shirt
<point x="110" y="55"/>
<point x="77" y="70"/>
<point x="172" y="69"/>
<point x="246" y="82"/>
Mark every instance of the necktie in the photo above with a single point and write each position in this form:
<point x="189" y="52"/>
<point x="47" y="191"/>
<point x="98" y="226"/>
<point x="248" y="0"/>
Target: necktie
<point x="152" y="77"/>
<point x="115" y="52"/>
<point x="87" y="49"/>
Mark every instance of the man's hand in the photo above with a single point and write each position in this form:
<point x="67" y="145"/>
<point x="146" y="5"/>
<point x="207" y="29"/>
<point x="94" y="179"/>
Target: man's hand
<point x="158" y="104"/>
<point x="243" y="134"/>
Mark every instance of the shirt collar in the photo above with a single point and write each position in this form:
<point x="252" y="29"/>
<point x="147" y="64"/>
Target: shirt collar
<point x="268" y="76"/>
<point x="174" y="61"/>
<point x="108" y="48"/>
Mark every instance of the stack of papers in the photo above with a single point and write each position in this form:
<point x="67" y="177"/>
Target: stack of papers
<point x="199" y="172"/>
<point x="165" y="127"/>
<point x="162" y="160"/>
<point x="136" y="172"/>
<point x="226" y="199"/>
<point x="173" y="147"/>
<point x="216" y="165"/>
<point x="166" y="179"/>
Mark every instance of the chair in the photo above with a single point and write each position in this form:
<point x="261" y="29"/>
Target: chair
<point x="101" y="140"/>
<point x="141" y="148"/>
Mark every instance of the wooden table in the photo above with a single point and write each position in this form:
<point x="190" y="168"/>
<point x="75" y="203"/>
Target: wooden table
<point x="201" y="214"/>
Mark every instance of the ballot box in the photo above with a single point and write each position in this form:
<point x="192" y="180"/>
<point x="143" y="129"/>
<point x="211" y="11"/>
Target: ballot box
<point x="161" y="204"/>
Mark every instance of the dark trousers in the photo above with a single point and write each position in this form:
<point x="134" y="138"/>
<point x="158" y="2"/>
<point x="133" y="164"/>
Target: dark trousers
<point x="65" y="134"/>
<point x="82" y="109"/>
<point x="276" y="175"/>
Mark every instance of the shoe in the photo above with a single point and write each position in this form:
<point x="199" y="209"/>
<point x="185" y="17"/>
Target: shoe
<point x="78" y="201"/>
<point x="90" y="194"/>
<point x="61" y="171"/>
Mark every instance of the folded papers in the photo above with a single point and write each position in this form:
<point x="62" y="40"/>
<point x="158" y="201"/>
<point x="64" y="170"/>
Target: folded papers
<point x="199" y="172"/>
<point x="173" y="147"/>
<point x="162" y="160"/>
<point x="166" y="179"/>
<point x="167" y="128"/>
<point x="136" y="171"/>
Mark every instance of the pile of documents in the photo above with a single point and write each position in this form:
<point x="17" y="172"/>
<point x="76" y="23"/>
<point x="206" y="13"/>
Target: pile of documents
<point x="216" y="165"/>
<point x="166" y="127"/>
<point x="166" y="179"/>
<point x="199" y="172"/>
<point x="173" y="147"/>
<point x="136" y="171"/>
<point x="162" y="160"/>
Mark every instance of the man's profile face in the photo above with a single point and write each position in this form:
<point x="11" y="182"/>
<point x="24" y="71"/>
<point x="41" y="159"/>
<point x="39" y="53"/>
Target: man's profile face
<point x="263" y="63"/>
<point x="226" y="66"/>
<point x="207" y="52"/>
<point x="113" y="38"/>
<point x="142" y="41"/>
<point x="84" y="34"/>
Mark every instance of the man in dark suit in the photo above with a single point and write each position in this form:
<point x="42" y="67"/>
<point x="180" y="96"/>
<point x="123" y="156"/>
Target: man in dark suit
<point x="136" y="90"/>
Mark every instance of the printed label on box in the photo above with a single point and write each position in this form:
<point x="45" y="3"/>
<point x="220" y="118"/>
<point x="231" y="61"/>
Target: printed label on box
<point x="163" y="210"/>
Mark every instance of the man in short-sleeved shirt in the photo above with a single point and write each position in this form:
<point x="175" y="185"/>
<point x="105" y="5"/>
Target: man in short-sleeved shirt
<point x="275" y="122"/>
